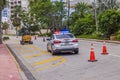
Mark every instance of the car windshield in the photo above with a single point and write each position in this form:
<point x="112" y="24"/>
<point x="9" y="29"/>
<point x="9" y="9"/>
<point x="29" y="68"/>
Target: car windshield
<point x="60" y="36"/>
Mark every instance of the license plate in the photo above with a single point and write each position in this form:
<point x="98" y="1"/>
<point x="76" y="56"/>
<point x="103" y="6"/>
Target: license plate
<point x="65" y="44"/>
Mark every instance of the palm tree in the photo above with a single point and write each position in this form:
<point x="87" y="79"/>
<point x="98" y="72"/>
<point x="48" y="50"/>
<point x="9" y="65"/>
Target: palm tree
<point x="32" y="2"/>
<point x="82" y="8"/>
<point x="107" y="4"/>
<point x="2" y="3"/>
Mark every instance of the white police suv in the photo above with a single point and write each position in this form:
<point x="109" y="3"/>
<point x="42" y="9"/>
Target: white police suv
<point x="61" y="42"/>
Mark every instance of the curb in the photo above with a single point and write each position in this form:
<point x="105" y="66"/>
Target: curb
<point x="107" y="41"/>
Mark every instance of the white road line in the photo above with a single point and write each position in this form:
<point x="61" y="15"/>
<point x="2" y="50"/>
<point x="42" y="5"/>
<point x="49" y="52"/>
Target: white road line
<point x="114" y="55"/>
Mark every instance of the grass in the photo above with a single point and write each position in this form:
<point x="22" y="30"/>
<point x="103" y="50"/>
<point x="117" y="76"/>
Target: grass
<point x="91" y="37"/>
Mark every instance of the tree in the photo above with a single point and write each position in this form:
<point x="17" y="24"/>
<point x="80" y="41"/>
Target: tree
<point x="82" y="20"/>
<point x="5" y="26"/>
<point x="16" y="17"/>
<point x="32" y="2"/>
<point x="83" y="25"/>
<point x="109" y="22"/>
<point x="48" y="13"/>
<point x="2" y="3"/>
<point x="107" y="4"/>
<point x="81" y="10"/>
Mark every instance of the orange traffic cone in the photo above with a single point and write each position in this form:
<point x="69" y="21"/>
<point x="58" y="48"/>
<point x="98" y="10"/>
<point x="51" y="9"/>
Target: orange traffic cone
<point x="35" y="37"/>
<point x="92" y="55"/>
<point x="104" y="49"/>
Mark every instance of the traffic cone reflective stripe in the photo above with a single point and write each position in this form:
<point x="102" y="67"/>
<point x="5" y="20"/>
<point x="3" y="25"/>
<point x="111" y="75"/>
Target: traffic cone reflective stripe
<point x="104" y="49"/>
<point x="92" y="54"/>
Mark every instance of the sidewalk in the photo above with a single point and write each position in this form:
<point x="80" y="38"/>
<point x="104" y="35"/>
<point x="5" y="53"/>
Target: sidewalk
<point x="8" y="67"/>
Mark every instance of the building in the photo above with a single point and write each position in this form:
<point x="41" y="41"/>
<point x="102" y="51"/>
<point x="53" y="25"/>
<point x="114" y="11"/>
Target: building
<point x="5" y="15"/>
<point x="11" y="7"/>
<point x="25" y="4"/>
<point x="8" y="12"/>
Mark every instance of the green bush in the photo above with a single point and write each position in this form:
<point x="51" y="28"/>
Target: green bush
<point x="5" y="38"/>
<point x="45" y="34"/>
<point x="117" y="37"/>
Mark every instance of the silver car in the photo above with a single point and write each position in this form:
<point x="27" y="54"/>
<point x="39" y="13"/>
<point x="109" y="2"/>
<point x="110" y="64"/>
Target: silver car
<point x="62" y="42"/>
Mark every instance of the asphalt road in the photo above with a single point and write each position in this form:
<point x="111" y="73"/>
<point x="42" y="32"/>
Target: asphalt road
<point x="41" y="65"/>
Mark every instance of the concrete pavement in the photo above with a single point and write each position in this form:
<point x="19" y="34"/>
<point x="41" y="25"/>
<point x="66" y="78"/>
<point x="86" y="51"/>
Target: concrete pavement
<point x="11" y="74"/>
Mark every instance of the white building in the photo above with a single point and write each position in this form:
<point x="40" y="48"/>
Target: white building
<point x="25" y="4"/>
<point x="11" y="6"/>
<point x="5" y="15"/>
<point x="8" y="12"/>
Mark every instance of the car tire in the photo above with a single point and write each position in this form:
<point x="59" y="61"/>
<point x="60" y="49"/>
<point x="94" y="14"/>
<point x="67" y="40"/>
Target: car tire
<point x="76" y="52"/>
<point x="30" y="42"/>
<point x="48" y="49"/>
<point x="21" y="42"/>
<point x="53" y="52"/>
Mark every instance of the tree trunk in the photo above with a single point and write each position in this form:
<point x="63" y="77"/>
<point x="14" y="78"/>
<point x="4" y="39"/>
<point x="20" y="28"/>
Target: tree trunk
<point x="47" y="30"/>
<point x="0" y="25"/>
<point x="39" y="30"/>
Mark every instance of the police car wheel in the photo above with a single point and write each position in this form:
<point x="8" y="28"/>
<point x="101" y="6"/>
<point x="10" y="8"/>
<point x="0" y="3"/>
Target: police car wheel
<point x="53" y="52"/>
<point x="48" y="49"/>
<point x="76" y="52"/>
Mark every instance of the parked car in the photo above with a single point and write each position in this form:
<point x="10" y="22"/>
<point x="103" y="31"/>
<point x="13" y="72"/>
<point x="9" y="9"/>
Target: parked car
<point x="61" y="42"/>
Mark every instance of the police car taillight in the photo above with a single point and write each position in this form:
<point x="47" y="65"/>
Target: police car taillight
<point x="75" y="40"/>
<point x="56" y="41"/>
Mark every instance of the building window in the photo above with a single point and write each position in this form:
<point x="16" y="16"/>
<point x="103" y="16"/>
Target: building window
<point x="11" y="3"/>
<point x="12" y="7"/>
<point x="15" y="2"/>
<point x="19" y="2"/>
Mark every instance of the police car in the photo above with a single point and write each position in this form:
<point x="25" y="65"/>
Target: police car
<point x="61" y="42"/>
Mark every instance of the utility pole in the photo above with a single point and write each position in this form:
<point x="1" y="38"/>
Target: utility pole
<point x="68" y="12"/>
<point x="96" y="21"/>
<point x="61" y="15"/>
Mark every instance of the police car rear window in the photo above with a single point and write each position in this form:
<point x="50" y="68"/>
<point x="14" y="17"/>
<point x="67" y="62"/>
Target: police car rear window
<point x="60" y="36"/>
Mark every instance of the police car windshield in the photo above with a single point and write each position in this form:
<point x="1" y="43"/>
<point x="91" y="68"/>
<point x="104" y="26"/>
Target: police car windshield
<point x="60" y="36"/>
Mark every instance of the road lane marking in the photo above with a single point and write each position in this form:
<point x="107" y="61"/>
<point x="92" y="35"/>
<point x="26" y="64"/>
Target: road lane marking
<point x="51" y="62"/>
<point x="46" y="61"/>
<point x="36" y="48"/>
<point x="114" y="55"/>
<point x="63" y="60"/>
<point x="33" y="55"/>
